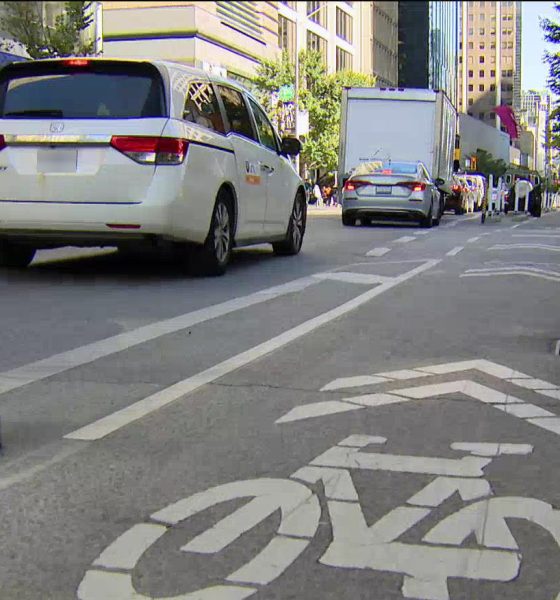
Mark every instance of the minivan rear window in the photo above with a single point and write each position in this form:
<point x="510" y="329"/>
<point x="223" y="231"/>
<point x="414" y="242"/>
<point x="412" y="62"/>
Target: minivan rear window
<point x="86" y="90"/>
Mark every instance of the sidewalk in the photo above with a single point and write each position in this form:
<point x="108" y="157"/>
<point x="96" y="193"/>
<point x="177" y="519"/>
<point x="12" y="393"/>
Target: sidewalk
<point x="323" y="210"/>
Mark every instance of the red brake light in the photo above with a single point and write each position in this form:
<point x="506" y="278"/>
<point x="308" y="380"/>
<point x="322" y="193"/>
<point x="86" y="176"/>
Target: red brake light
<point x="413" y="186"/>
<point x="387" y="172"/>
<point x="2" y="142"/>
<point x="354" y="184"/>
<point x="151" y="150"/>
<point x="76" y="62"/>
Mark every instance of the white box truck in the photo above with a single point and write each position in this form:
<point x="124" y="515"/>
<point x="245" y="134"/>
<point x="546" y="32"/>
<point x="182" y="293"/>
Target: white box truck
<point x="398" y="124"/>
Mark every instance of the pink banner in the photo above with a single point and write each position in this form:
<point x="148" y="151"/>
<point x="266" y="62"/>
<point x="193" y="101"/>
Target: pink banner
<point x="507" y="116"/>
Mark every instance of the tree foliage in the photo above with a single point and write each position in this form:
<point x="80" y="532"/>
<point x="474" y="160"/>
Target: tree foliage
<point x="552" y="35"/>
<point x="487" y="164"/>
<point x="24" y="23"/>
<point x="320" y="95"/>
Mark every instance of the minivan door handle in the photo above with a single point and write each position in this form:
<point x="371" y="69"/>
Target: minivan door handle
<point x="267" y="169"/>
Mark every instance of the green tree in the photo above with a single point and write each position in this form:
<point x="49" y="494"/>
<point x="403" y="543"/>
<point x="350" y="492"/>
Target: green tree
<point x="320" y="95"/>
<point x="487" y="164"/>
<point x="24" y="24"/>
<point x="552" y="35"/>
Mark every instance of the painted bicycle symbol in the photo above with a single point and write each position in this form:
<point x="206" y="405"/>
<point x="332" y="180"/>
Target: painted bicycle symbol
<point x="425" y="566"/>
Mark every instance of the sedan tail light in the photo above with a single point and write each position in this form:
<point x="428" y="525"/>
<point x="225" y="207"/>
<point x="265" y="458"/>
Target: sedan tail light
<point x="2" y="142"/>
<point x="151" y="150"/>
<point x="455" y="188"/>
<point x="413" y="186"/>
<point x="354" y="184"/>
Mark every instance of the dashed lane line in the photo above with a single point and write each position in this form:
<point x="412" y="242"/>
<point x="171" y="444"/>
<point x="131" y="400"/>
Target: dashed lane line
<point x="455" y="251"/>
<point x="378" y="251"/>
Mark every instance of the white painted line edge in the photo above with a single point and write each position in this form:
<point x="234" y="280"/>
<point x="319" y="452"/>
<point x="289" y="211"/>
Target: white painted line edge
<point x="455" y="251"/>
<point x="111" y="423"/>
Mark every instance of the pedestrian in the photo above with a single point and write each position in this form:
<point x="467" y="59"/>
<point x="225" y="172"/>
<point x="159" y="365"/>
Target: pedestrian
<point x="317" y="195"/>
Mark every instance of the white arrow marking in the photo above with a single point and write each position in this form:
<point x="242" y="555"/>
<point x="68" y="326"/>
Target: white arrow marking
<point x="338" y="482"/>
<point x="317" y="409"/>
<point x="492" y="449"/>
<point x="348" y="382"/>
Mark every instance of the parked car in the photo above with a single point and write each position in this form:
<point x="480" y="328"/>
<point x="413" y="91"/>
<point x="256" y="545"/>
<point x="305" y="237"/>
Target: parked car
<point x="390" y="190"/>
<point x="458" y="200"/>
<point x="97" y="152"/>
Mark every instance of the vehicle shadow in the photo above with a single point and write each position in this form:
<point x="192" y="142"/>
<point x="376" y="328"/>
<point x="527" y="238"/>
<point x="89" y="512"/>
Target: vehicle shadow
<point x="111" y="265"/>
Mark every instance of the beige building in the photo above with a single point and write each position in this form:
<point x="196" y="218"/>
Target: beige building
<point x="232" y="37"/>
<point x="490" y="59"/>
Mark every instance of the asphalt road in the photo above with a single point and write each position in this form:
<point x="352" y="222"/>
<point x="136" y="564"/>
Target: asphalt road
<point x="377" y="417"/>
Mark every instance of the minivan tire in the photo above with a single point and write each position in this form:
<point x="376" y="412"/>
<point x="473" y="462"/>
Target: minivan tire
<point x="291" y="245"/>
<point x="15" y="256"/>
<point x="348" y="221"/>
<point x="212" y="258"/>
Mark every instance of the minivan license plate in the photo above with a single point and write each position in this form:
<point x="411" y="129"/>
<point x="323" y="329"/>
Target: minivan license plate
<point x="57" y="160"/>
<point x="385" y="190"/>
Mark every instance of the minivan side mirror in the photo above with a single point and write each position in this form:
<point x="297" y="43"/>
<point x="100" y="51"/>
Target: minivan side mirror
<point x="439" y="181"/>
<point x="291" y="146"/>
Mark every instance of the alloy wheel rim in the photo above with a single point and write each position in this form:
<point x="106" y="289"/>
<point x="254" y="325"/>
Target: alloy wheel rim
<point x="222" y="233"/>
<point x="297" y="224"/>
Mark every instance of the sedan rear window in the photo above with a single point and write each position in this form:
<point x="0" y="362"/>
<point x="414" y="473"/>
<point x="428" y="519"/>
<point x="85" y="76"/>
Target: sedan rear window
<point x="87" y="90"/>
<point x="382" y="167"/>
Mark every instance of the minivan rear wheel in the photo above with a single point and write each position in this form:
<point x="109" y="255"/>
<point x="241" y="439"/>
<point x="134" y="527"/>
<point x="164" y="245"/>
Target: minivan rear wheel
<point x="15" y="256"/>
<point x="213" y="257"/>
<point x="291" y="245"/>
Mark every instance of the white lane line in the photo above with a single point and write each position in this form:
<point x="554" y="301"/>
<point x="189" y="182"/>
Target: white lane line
<point x="525" y="247"/>
<point x="358" y="381"/>
<point x="511" y="272"/>
<point x="402" y="374"/>
<point x="422" y="232"/>
<point x="358" y="278"/>
<point x="378" y="252"/>
<point x="473" y="239"/>
<point x="405" y="239"/>
<point x="546" y="235"/>
<point x="455" y="251"/>
<point x="137" y="410"/>
<point x="58" y="363"/>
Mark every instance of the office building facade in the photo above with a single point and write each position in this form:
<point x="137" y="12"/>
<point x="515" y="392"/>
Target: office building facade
<point x="490" y="59"/>
<point x="428" y="46"/>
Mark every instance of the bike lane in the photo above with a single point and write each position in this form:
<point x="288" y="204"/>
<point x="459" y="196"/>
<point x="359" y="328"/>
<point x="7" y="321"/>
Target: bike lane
<point x="121" y="523"/>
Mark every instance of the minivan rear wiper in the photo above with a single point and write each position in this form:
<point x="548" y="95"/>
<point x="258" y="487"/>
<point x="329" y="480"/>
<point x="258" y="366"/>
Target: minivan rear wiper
<point x="34" y="113"/>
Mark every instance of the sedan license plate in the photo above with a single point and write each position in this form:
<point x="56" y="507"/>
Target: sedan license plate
<point x="384" y="190"/>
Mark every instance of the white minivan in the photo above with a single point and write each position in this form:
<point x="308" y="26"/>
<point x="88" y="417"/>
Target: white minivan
<point x="103" y="152"/>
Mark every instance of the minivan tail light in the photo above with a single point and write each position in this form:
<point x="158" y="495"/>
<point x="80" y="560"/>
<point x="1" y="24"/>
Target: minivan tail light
<point x="352" y="185"/>
<point x="149" y="150"/>
<point x="413" y="186"/>
<point x="2" y="142"/>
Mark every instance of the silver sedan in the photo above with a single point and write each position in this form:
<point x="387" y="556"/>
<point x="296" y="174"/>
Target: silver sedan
<point x="391" y="190"/>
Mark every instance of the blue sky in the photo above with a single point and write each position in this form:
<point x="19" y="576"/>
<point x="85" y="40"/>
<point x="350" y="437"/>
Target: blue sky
<point x="534" y="71"/>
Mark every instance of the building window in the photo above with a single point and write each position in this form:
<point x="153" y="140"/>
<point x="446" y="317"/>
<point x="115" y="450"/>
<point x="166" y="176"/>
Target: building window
<point x="317" y="12"/>
<point x="286" y="35"/>
<point x="510" y="45"/>
<point x="471" y="74"/>
<point x="481" y="45"/>
<point x="481" y="116"/>
<point x="317" y="43"/>
<point x="343" y="25"/>
<point x="492" y="115"/>
<point x="493" y="60"/>
<point x="470" y="60"/>
<point x="481" y="59"/>
<point x="480" y="87"/>
<point x="481" y="31"/>
<point x="492" y="32"/>
<point x="481" y="73"/>
<point x="471" y="87"/>
<point x="471" y="31"/>
<point x="343" y="60"/>
<point x="471" y="46"/>
<point x="492" y="87"/>
<point x="492" y="73"/>
<point x="492" y="45"/>
<point x="481" y="16"/>
<point x="471" y="17"/>
<point x="471" y="101"/>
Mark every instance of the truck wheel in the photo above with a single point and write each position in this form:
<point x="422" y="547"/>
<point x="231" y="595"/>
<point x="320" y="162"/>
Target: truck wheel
<point x="15" y="256"/>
